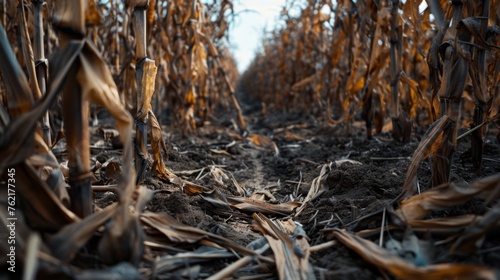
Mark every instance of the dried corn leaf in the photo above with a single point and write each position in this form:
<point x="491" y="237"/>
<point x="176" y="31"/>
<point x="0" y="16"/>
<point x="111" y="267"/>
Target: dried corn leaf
<point x="218" y="175"/>
<point x="446" y="225"/>
<point x="251" y="205"/>
<point x="474" y="235"/>
<point x="294" y="136"/>
<point x="43" y="210"/>
<point x="157" y="142"/>
<point x="170" y="263"/>
<point x="16" y="143"/>
<point x="404" y="270"/>
<point x="108" y="133"/>
<point x="291" y="255"/>
<point x="191" y="188"/>
<point x="112" y="170"/>
<point x="245" y="204"/>
<point x="304" y="82"/>
<point x="437" y="12"/>
<point x="66" y="243"/>
<point x="18" y="93"/>
<point x="49" y="169"/>
<point x="263" y="141"/>
<point x="165" y="224"/>
<point x="176" y="232"/>
<point x="146" y="75"/>
<point x="429" y="144"/>
<point x="221" y="152"/>
<point x="316" y="188"/>
<point x="93" y="15"/>
<point x="216" y="198"/>
<point x="473" y="27"/>
<point x="123" y="238"/>
<point x="448" y="195"/>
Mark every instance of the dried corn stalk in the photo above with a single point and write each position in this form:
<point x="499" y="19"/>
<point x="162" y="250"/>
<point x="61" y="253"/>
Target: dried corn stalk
<point x="145" y="78"/>
<point x="89" y="81"/>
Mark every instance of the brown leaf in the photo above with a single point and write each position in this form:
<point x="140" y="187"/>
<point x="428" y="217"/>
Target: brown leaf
<point x="448" y="195"/>
<point x="429" y="144"/>
<point x="474" y="235"/>
<point x="292" y="256"/>
<point x="16" y="143"/>
<point x="113" y="170"/>
<point x="93" y="16"/>
<point x="252" y="206"/>
<point x="445" y="225"/>
<point x="304" y="82"/>
<point x="66" y="243"/>
<point x="263" y="141"/>
<point x="401" y="269"/>
<point x="157" y="142"/>
<point x="146" y="76"/>
<point x="43" y="210"/>
<point x="176" y="232"/>
<point x="316" y="188"/>
<point x="473" y="27"/>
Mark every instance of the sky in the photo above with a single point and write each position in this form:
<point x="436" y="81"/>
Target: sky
<point x="246" y="32"/>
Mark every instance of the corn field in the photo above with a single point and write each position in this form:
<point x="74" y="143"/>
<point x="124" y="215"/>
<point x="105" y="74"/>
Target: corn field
<point x="362" y="141"/>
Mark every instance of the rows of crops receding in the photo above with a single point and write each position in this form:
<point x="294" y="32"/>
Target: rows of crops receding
<point x="128" y="58"/>
<point x="402" y="65"/>
<point x="361" y="143"/>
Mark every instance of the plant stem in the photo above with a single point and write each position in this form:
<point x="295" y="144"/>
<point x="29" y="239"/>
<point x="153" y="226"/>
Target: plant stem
<point x="481" y="93"/>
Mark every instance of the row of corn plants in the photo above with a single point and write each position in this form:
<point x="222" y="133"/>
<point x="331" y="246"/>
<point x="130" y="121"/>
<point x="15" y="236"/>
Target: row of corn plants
<point x="386" y="62"/>
<point x="132" y="58"/>
<point x="169" y="53"/>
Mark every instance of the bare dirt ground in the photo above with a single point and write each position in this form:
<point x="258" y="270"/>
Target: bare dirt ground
<point x="362" y="177"/>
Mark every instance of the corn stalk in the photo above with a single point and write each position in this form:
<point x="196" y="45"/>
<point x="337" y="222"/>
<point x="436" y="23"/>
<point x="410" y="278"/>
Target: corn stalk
<point x="89" y="80"/>
<point x="455" y="69"/>
<point x="481" y="95"/>
<point x="145" y="78"/>
<point x="371" y="76"/>
<point x="401" y="127"/>
<point x="41" y="64"/>
<point x="70" y="23"/>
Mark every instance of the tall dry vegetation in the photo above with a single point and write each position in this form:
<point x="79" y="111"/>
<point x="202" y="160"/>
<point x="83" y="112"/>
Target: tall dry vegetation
<point x="117" y="55"/>
<point x="386" y="62"/>
<point x="138" y="58"/>
<point x="170" y="52"/>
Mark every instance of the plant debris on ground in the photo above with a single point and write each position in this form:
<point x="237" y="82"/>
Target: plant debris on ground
<point x="362" y="142"/>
